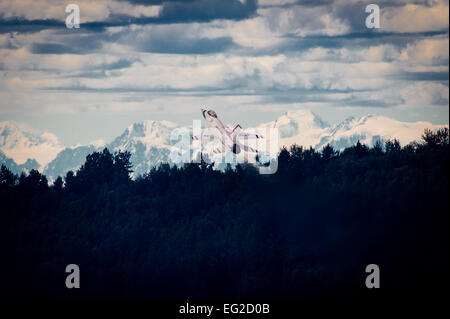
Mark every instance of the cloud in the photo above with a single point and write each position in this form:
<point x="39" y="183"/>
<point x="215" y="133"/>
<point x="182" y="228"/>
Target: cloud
<point x="425" y="94"/>
<point x="100" y="10"/>
<point x="33" y="16"/>
<point x="188" y="46"/>
<point x="423" y="76"/>
<point x="290" y="3"/>
<point x="304" y="21"/>
<point x="28" y="26"/>
<point x="158" y="55"/>
<point x="70" y="44"/>
<point x="153" y="2"/>
<point x="56" y="48"/>
<point x="207" y="10"/>
<point x="416" y="18"/>
<point x="428" y="51"/>
<point x="174" y="39"/>
<point x="104" y="70"/>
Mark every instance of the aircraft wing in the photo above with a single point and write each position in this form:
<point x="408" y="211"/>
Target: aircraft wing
<point x="248" y="148"/>
<point x="207" y="136"/>
<point x="246" y="135"/>
<point x="204" y="137"/>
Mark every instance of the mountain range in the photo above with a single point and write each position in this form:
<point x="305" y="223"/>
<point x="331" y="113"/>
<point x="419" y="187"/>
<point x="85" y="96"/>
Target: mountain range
<point x="23" y="148"/>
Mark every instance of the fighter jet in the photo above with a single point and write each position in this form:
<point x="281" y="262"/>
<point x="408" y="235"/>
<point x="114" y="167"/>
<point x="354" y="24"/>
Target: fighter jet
<point x="233" y="140"/>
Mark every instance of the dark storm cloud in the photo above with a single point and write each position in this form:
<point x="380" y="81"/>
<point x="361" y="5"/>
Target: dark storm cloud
<point x="228" y="88"/>
<point x="186" y="12"/>
<point x="92" y="75"/>
<point x="73" y="42"/>
<point x="101" y="74"/>
<point x="154" y="2"/>
<point x="28" y="26"/>
<point x="171" y="12"/>
<point x="207" y="10"/>
<point x="295" y="43"/>
<point x="423" y="76"/>
<point x="104" y="70"/>
<point x="200" y="10"/>
<point x="319" y="96"/>
<point x="52" y="48"/>
<point x="196" y="91"/>
<point x="9" y="43"/>
<point x="358" y="102"/>
<point x="164" y="39"/>
<point x="119" y="64"/>
<point x="178" y="45"/>
<point x="84" y="45"/>
<point x="304" y="3"/>
<point x="355" y="15"/>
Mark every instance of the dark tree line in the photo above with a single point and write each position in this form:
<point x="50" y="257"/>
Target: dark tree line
<point x="309" y="230"/>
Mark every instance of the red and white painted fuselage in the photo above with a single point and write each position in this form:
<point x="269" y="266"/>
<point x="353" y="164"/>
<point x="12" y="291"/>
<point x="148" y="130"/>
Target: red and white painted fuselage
<point x="232" y="139"/>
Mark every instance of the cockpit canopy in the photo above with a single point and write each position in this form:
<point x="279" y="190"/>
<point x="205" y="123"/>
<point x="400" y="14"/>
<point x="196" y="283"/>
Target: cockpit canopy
<point x="212" y="113"/>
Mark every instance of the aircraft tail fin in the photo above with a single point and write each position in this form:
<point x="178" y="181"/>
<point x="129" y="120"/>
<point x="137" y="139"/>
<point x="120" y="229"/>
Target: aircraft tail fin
<point x="235" y="131"/>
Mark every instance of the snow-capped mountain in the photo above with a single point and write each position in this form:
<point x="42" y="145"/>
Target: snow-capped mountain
<point x="69" y="159"/>
<point x="305" y="128"/>
<point x="370" y="128"/>
<point x="301" y="127"/>
<point x="21" y="143"/>
<point x="18" y="168"/>
<point x="149" y="141"/>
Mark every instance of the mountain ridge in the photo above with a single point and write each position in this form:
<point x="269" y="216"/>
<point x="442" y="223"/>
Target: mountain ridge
<point x="149" y="140"/>
<point x="20" y="142"/>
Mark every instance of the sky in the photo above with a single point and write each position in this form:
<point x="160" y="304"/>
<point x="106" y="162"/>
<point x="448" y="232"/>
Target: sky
<point x="249" y="60"/>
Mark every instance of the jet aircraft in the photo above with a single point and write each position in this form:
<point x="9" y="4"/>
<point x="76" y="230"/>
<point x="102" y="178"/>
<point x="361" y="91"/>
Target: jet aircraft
<point x="234" y="140"/>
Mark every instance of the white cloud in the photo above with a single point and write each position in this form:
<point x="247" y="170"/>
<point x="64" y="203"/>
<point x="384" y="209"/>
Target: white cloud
<point x="361" y="72"/>
<point x="89" y="10"/>
<point x="303" y="21"/>
<point x="425" y="95"/>
<point x="428" y="52"/>
<point x="415" y="18"/>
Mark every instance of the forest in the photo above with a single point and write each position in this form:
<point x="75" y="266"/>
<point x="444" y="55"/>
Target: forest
<point x="307" y="231"/>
